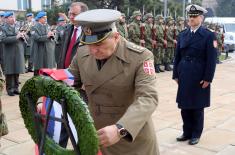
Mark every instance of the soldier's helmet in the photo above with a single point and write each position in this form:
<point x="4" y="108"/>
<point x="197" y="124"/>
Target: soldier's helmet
<point x="148" y="15"/>
<point x="168" y="19"/>
<point x="158" y="17"/>
<point x="123" y="15"/>
<point x="180" y="19"/>
<point x="136" y="13"/>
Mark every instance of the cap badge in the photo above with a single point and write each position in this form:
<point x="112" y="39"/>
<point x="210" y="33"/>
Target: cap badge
<point x="87" y="31"/>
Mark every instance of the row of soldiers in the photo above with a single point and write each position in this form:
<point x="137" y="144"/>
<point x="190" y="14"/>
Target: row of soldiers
<point x="27" y="47"/>
<point x="154" y="33"/>
<point x="159" y="36"/>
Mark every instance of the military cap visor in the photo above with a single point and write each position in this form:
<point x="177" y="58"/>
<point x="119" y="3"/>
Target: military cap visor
<point x="1" y="14"/>
<point x="97" y="24"/>
<point x="195" y="10"/>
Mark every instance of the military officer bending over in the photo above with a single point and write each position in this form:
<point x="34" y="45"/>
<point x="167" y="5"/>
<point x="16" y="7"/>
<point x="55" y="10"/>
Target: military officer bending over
<point x="120" y="82"/>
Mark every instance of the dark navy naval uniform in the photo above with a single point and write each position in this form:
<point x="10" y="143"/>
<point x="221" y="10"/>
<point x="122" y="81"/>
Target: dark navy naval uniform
<point x="195" y="61"/>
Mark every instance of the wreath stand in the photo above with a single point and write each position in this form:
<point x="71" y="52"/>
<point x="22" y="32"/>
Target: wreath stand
<point x="42" y="134"/>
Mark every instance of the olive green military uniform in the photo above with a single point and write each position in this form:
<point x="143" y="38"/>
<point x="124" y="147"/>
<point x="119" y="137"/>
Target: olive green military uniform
<point x="134" y="29"/>
<point x="121" y="92"/>
<point x="43" y="47"/>
<point x="3" y="122"/>
<point x="13" y="52"/>
<point x="122" y="28"/>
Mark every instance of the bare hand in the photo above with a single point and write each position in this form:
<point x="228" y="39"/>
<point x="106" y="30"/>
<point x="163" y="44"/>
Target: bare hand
<point x="142" y="41"/>
<point x="108" y="136"/>
<point x="204" y="84"/>
<point x="165" y="42"/>
<point x="50" y="34"/>
<point x="175" y="41"/>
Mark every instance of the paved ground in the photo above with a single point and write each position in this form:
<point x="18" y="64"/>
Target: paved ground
<point x="218" y="137"/>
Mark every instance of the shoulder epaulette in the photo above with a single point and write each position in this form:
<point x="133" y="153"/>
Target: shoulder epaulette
<point x="135" y="47"/>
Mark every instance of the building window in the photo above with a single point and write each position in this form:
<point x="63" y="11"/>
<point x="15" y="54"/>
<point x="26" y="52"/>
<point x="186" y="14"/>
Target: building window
<point x="46" y="4"/>
<point x="22" y="4"/>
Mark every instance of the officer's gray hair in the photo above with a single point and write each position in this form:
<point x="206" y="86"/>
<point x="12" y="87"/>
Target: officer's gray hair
<point x="82" y="5"/>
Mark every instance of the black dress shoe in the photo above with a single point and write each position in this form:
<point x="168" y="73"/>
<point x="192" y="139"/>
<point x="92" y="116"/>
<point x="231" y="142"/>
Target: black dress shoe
<point x="17" y="92"/>
<point x="182" y="138"/>
<point x="10" y="93"/>
<point x="193" y="141"/>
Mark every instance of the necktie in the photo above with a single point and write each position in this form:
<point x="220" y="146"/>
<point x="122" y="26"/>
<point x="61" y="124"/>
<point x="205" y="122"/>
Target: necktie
<point x="69" y="51"/>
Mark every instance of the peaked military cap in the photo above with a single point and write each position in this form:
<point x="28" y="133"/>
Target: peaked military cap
<point x="29" y="14"/>
<point x="136" y="13"/>
<point x="41" y="14"/>
<point x="97" y="24"/>
<point x="195" y="10"/>
<point x="8" y="14"/>
<point x="2" y="13"/>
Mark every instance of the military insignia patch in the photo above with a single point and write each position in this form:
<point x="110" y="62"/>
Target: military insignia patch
<point x="148" y="67"/>
<point x="215" y="43"/>
<point x="87" y="31"/>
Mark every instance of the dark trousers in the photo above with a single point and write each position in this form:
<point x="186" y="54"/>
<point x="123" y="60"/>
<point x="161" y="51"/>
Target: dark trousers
<point x="12" y="82"/>
<point x="193" y="121"/>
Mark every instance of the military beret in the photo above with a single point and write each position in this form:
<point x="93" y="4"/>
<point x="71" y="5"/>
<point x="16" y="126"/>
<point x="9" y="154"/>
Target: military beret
<point x="136" y="13"/>
<point x="60" y="19"/>
<point x="29" y="14"/>
<point x="97" y="24"/>
<point x="8" y="14"/>
<point x="195" y="10"/>
<point x="41" y="14"/>
<point x="2" y="13"/>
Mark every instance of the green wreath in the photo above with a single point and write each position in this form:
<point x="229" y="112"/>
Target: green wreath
<point x="44" y="86"/>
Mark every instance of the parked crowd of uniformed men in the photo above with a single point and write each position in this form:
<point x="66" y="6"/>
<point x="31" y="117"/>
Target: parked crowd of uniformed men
<point x="33" y="44"/>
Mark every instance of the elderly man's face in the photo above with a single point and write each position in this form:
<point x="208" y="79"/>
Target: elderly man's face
<point x="195" y="21"/>
<point x="106" y="48"/>
<point x="73" y="12"/>
<point x="10" y="20"/>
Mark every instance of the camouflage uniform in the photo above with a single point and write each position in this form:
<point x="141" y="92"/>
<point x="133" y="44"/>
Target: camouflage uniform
<point x="159" y="50"/>
<point x="180" y="25"/>
<point x="169" y="54"/>
<point x="219" y="38"/>
<point x="134" y="29"/>
<point x="148" y="31"/>
<point x="122" y="27"/>
<point x="3" y="122"/>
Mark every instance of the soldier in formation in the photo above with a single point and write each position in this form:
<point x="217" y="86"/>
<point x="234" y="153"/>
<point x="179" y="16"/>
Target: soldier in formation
<point x="122" y="26"/>
<point x="13" y="51"/>
<point x="43" y="44"/>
